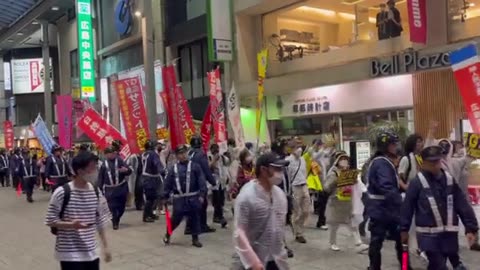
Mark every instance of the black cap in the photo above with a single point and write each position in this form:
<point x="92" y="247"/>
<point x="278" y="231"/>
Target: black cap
<point x="432" y="153"/>
<point x="109" y="150"/>
<point x="182" y="148"/>
<point x="271" y="160"/>
<point x="57" y="147"/>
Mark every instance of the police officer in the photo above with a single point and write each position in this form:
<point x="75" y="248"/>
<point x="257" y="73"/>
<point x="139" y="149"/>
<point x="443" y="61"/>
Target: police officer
<point x="437" y="201"/>
<point x="186" y="183"/>
<point x="384" y="199"/>
<point x="28" y="173"/>
<point x="4" y="168"/>
<point x="15" y="162"/>
<point x="151" y="177"/>
<point x="112" y="182"/>
<point x="198" y="156"/>
<point x="56" y="168"/>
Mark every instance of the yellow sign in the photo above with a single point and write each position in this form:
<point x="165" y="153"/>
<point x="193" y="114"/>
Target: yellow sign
<point x="347" y="178"/>
<point x="262" y="58"/>
<point x="471" y="144"/>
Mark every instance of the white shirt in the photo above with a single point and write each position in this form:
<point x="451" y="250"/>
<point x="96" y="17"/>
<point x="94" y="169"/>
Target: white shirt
<point x="404" y="164"/>
<point x="297" y="164"/>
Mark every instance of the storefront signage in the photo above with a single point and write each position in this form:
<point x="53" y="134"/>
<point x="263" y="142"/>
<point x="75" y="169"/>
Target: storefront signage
<point x="123" y="17"/>
<point x="220" y="45"/>
<point x="86" y="49"/>
<point x="28" y="76"/>
<point x="408" y="62"/>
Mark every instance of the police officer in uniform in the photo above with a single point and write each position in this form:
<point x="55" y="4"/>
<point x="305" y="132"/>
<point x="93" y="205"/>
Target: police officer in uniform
<point x="112" y="182"/>
<point x="4" y="168"/>
<point x="436" y="200"/>
<point x="185" y="182"/>
<point x="151" y="177"/>
<point x="198" y="156"/>
<point x="385" y="200"/>
<point x="56" y="168"/>
<point x="15" y="162"/>
<point x="28" y="173"/>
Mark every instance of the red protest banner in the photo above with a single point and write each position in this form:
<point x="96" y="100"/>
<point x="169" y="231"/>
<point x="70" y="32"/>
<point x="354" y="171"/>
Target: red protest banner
<point x="205" y="129"/>
<point x="417" y="20"/>
<point x="218" y="109"/>
<point x="9" y="134"/>
<point x="101" y="133"/>
<point x="134" y="114"/>
<point x="184" y="116"/>
<point x="65" y="120"/>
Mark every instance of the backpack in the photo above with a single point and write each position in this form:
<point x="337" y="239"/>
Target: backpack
<point x="66" y="198"/>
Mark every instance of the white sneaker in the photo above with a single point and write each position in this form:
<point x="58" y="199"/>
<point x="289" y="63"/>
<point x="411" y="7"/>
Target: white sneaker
<point x="324" y="228"/>
<point x="361" y="247"/>
<point x="334" y="247"/>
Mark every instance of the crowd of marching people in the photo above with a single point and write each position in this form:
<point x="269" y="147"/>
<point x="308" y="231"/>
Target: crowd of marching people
<point x="417" y="191"/>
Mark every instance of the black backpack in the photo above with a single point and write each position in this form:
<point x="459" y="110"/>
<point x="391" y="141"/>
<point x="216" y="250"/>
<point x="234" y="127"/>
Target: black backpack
<point x="66" y="198"/>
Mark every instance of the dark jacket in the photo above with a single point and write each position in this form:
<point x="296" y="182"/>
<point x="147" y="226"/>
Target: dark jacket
<point x="197" y="180"/>
<point x="28" y="168"/>
<point x="416" y="205"/>
<point x="151" y="164"/>
<point x="199" y="157"/>
<point x="51" y="170"/>
<point x="104" y="178"/>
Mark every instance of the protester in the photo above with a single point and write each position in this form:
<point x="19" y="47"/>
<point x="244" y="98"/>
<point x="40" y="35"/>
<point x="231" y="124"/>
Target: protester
<point x="258" y="238"/>
<point x="246" y="172"/>
<point x="411" y="162"/>
<point x="41" y="168"/>
<point x="56" y="169"/>
<point x="28" y="173"/>
<point x="219" y="165"/>
<point x="185" y="182"/>
<point x="297" y="175"/>
<point x="15" y="162"/>
<point x="151" y="177"/>
<point x="436" y="201"/>
<point x="340" y="207"/>
<point x="76" y="211"/>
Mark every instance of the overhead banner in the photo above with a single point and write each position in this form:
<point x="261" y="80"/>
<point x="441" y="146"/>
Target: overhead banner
<point x="417" y="19"/>
<point x="219" y="18"/>
<point x="43" y="135"/>
<point x="134" y="114"/>
<point x="466" y="68"/>
<point x="86" y="53"/>
<point x="217" y="107"/>
<point x="233" y="107"/>
<point x="65" y="120"/>
<point x="179" y="116"/>
<point x="101" y="132"/>
<point x="9" y="134"/>
<point x="262" y="58"/>
<point x="28" y="76"/>
<point x="206" y="128"/>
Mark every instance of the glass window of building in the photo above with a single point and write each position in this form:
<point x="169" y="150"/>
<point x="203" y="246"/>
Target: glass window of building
<point x="194" y="66"/>
<point x="315" y="27"/>
<point x="464" y="18"/>
<point x="186" y="72"/>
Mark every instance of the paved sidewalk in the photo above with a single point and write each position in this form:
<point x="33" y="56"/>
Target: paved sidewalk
<point x="26" y="244"/>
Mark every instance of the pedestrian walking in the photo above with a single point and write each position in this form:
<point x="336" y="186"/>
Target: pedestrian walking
<point x="28" y="173"/>
<point x="56" y="168"/>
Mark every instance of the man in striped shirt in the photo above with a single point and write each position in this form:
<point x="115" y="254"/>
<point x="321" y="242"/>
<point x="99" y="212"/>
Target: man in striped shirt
<point x="85" y="213"/>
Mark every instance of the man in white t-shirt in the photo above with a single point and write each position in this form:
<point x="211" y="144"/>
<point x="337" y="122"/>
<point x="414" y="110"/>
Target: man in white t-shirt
<point x="76" y="212"/>
<point x="409" y="164"/>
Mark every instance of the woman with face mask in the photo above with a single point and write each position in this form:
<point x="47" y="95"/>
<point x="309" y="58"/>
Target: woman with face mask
<point x="339" y="206"/>
<point x="246" y="172"/>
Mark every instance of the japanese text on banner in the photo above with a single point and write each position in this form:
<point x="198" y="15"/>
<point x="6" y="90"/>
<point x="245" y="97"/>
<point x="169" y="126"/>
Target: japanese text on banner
<point x="101" y="133"/>
<point x="134" y="114"/>
<point x="9" y="134"/>
<point x="43" y="135"/>
<point x="217" y="109"/>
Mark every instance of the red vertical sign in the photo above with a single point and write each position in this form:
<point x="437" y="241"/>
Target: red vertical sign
<point x="417" y="19"/>
<point x="9" y="134"/>
<point x="218" y="109"/>
<point x="206" y="128"/>
<point x="134" y="114"/>
<point x="65" y="115"/>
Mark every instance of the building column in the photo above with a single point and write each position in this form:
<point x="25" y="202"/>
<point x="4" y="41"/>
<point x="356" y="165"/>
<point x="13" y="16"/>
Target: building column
<point x="148" y="63"/>
<point x="437" y="22"/>
<point x="47" y="95"/>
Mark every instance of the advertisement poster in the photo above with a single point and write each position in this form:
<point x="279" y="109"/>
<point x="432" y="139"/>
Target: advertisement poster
<point x="466" y="69"/>
<point x="417" y="20"/>
<point x="43" y="135"/>
<point x="218" y="110"/>
<point x="9" y="134"/>
<point x="65" y="120"/>
<point x="101" y="133"/>
<point x="134" y="114"/>
<point x="28" y="76"/>
<point x="233" y="107"/>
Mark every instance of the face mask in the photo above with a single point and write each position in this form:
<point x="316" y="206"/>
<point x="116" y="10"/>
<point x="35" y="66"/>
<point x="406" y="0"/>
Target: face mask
<point x="299" y="151"/>
<point x="91" y="177"/>
<point x="276" y="178"/>
<point x="343" y="163"/>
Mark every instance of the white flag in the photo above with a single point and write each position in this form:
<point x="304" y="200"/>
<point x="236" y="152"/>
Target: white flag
<point x="233" y="107"/>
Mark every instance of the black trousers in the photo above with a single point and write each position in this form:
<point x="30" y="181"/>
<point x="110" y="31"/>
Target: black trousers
<point x="437" y="261"/>
<point x="218" y="201"/>
<point x="203" y="214"/>
<point x="379" y="230"/>
<point x="321" y="206"/>
<point x="16" y="180"/>
<point x="28" y="185"/>
<point x="4" y="179"/>
<point x="93" y="265"/>
<point x="138" y="193"/>
<point x="43" y="178"/>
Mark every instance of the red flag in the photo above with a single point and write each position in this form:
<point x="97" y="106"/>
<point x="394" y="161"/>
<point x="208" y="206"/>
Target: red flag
<point x="205" y="129"/>
<point x="19" y="189"/>
<point x="417" y="20"/>
<point x="218" y="109"/>
<point x="168" y="221"/>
